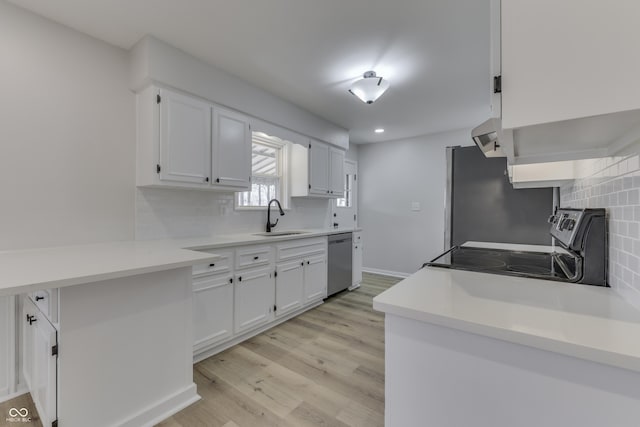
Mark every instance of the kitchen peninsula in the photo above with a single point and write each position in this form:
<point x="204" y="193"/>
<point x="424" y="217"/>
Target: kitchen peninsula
<point x="468" y="348"/>
<point x="113" y="322"/>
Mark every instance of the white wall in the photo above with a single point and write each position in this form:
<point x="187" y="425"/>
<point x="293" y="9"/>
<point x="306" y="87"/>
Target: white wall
<point x="153" y="60"/>
<point x="392" y="175"/>
<point x="352" y="153"/>
<point x="67" y="135"/>
<point x="162" y="213"/>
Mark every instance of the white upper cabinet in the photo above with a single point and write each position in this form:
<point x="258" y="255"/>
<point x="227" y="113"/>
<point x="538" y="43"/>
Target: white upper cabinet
<point x="569" y="77"/>
<point x="336" y="171"/>
<point x="569" y="59"/>
<point x="231" y="149"/>
<point x="185" y="138"/>
<point x="185" y="142"/>
<point x="317" y="170"/>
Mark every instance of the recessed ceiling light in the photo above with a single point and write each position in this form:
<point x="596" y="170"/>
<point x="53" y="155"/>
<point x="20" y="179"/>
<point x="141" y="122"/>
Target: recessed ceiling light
<point x="379" y="130"/>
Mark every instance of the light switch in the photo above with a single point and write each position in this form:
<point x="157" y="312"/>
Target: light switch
<point x="415" y="206"/>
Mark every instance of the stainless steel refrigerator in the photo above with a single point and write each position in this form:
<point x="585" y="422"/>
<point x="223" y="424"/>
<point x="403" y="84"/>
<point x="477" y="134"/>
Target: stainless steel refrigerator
<point x="481" y="204"/>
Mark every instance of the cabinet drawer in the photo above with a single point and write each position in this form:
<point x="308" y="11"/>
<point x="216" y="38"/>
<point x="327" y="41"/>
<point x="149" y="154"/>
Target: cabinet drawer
<point x="47" y="302"/>
<point x="301" y="248"/>
<point x="253" y="256"/>
<point x="221" y="265"/>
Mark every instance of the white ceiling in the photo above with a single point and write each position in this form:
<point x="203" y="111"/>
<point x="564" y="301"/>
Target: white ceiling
<point x="435" y="53"/>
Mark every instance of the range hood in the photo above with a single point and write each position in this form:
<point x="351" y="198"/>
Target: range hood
<point x="487" y="138"/>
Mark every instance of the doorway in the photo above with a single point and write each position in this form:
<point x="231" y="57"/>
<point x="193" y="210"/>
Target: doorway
<point x="344" y="211"/>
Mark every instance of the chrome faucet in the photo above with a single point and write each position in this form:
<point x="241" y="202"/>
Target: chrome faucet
<point x="269" y="225"/>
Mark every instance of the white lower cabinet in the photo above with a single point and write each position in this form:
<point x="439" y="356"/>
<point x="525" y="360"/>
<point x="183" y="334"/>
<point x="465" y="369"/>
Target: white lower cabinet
<point x="40" y="361"/>
<point x="315" y="278"/>
<point x="289" y="284"/>
<point x="253" y="298"/>
<point x="212" y="310"/>
<point x="252" y="287"/>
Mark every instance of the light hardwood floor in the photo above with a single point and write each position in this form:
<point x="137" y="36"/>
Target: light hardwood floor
<point x="322" y="368"/>
<point x="20" y="402"/>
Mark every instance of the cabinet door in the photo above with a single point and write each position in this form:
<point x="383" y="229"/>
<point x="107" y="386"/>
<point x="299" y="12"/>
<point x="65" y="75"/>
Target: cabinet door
<point x="45" y="368"/>
<point x="185" y="139"/>
<point x="289" y="286"/>
<point x="28" y="333"/>
<point x="584" y="47"/>
<point x="318" y="168"/>
<point x="253" y="299"/>
<point x="357" y="263"/>
<point x="231" y="149"/>
<point x="336" y="168"/>
<point x="315" y="278"/>
<point x="212" y="310"/>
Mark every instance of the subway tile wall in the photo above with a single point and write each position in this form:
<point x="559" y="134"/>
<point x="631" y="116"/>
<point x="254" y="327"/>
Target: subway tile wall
<point x="614" y="183"/>
<point x="167" y="214"/>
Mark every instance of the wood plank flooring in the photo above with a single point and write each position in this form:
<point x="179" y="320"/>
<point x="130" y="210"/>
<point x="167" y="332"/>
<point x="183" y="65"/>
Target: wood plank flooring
<point x="322" y="368"/>
<point x="23" y="401"/>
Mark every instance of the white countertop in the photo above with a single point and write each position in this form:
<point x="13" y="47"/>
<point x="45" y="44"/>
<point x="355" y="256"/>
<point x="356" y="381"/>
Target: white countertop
<point x="34" y="269"/>
<point x="588" y="322"/>
<point x="225" y="240"/>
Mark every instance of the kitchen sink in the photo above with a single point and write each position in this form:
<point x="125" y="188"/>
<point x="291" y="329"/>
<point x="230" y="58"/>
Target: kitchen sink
<point x="281" y="233"/>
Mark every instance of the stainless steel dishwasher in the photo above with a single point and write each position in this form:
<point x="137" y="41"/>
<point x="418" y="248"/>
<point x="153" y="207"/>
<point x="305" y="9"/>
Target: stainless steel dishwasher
<point x="340" y="262"/>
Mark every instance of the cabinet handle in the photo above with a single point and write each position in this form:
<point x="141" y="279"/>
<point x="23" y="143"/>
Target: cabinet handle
<point x="327" y="191"/>
<point x="240" y="279"/>
<point x="32" y="319"/>
<point x="38" y="298"/>
<point x="217" y="179"/>
<point x="231" y="280"/>
<point x="28" y="318"/>
<point x="255" y="258"/>
<point x="206" y="179"/>
<point x="302" y="263"/>
<point x="307" y="262"/>
<point x="212" y="265"/>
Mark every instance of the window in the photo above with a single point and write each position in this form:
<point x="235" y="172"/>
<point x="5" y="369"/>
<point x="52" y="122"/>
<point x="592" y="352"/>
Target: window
<point x="267" y="181"/>
<point x="345" y="202"/>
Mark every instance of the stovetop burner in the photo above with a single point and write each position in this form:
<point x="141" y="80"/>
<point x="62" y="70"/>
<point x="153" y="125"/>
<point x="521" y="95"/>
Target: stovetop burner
<point x="539" y="265"/>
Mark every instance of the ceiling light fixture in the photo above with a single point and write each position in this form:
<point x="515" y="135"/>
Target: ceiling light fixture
<point x="379" y="130"/>
<point x="369" y="88"/>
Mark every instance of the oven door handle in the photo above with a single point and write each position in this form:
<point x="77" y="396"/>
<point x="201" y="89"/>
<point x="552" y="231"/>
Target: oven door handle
<point x="575" y="277"/>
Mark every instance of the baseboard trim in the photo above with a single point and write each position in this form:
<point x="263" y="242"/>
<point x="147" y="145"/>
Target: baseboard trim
<point x="385" y="272"/>
<point x="217" y="348"/>
<point x="159" y="411"/>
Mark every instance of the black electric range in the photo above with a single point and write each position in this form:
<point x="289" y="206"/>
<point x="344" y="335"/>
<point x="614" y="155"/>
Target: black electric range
<point x="580" y="232"/>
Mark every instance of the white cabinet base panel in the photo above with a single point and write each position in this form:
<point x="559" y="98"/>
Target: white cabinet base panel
<point x="127" y="342"/>
<point x="438" y="376"/>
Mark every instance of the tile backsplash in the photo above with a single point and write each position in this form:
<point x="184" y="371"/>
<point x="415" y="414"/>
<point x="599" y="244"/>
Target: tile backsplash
<point x="614" y="183"/>
<point x="165" y="214"/>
